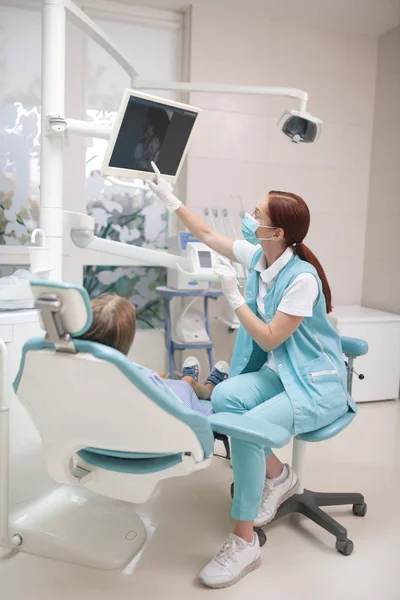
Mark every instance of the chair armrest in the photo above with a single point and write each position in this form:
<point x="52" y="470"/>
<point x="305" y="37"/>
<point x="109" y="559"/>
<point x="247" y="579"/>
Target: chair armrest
<point x="353" y="347"/>
<point x="249" y="429"/>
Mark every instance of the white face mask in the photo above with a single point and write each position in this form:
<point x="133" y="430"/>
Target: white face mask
<point x="249" y="228"/>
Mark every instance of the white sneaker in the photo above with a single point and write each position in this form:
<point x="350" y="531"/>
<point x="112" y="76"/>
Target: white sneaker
<point x="223" y="366"/>
<point x="235" y="559"/>
<point x="219" y="373"/>
<point x="274" y="494"/>
<point x="191" y="368"/>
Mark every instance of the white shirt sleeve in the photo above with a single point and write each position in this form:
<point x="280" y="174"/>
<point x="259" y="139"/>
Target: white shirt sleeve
<point x="300" y="297"/>
<point x="244" y="252"/>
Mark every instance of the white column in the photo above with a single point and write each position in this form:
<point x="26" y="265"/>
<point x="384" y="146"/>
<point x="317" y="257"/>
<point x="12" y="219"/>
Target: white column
<point x="51" y="166"/>
<point x="75" y="148"/>
<point x="298" y="461"/>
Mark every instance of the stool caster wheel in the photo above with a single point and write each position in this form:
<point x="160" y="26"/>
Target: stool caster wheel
<point x="262" y="538"/>
<point x="232" y="490"/>
<point x="360" y="510"/>
<point x="346" y="547"/>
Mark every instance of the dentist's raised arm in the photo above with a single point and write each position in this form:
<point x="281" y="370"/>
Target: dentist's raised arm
<point x="203" y="232"/>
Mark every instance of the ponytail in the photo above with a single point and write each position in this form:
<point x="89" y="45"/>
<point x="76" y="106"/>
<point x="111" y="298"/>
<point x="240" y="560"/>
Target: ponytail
<point x="305" y="253"/>
<point x="289" y="212"/>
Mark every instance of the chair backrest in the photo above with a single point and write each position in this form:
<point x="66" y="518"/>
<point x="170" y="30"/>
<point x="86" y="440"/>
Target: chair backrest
<point x="84" y="394"/>
<point x="353" y="347"/>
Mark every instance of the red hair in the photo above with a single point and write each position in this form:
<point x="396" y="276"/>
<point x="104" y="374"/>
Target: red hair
<point x="290" y="213"/>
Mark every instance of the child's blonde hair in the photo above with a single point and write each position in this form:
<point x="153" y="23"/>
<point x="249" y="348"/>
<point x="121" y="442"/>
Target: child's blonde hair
<point x="114" y="322"/>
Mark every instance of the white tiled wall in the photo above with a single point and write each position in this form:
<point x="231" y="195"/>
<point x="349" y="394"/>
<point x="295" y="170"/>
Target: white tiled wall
<point x="148" y="349"/>
<point x="382" y="257"/>
<point x="239" y="149"/>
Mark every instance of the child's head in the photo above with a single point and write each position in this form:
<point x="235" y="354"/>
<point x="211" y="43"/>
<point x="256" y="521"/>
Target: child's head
<point x="114" y="322"/>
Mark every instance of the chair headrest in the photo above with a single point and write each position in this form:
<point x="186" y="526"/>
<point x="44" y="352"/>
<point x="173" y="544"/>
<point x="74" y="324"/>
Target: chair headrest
<point x="64" y="308"/>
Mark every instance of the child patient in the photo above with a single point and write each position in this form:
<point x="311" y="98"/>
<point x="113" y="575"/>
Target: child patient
<point x="114" y="324"/>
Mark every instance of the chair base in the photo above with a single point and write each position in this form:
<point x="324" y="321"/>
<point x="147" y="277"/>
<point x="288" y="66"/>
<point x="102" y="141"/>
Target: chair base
<point x="225" y="440"/>
<point x="308" y="503"/>
<point x="74" y="525"/>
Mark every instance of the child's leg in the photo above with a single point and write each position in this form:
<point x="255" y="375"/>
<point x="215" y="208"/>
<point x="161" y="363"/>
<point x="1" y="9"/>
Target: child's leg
<point x="202" y="390"/>
<point x="187" y="396"/>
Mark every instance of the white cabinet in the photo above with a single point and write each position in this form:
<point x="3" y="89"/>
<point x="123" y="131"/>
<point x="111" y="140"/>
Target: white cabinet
<point x="28" y="476"/>
<point x="16" y="327"/>
<point x="381" y="366"/>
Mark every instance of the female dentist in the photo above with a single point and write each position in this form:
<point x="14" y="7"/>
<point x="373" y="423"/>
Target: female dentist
<point x="287" y="366"/>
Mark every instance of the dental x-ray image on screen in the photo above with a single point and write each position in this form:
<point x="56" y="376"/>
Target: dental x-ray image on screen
<point x="149" y="129"/>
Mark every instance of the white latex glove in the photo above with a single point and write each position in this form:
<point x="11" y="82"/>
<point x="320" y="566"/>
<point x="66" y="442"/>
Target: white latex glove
<point x="164" y="191"/>
<point x="229" y="283"/>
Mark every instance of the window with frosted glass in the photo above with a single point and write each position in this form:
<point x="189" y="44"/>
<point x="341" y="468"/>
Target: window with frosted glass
<point x="19" y="124"/>
<point x="122" y="214"/>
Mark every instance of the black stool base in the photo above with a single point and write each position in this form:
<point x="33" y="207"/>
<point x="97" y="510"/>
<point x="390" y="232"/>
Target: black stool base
<point x="308" y="504"/>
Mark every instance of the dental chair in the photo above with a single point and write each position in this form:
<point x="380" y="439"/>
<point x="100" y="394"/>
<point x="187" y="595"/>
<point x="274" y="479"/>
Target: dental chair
<point x="110" y="432"/>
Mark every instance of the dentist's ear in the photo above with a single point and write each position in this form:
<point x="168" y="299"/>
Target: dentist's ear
<point x="278" y="235"/>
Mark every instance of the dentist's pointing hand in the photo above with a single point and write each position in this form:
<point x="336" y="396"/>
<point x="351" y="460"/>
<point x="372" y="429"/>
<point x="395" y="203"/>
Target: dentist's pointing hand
<point x="163" y="190"/>
<point x="229" y="283"/>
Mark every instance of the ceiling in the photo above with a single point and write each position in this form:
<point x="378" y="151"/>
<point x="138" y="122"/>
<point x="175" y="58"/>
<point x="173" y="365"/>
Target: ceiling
<point x="358" y="16"/>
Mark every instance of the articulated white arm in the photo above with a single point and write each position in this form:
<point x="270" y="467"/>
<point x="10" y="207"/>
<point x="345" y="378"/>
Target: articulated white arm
<point x="130" y="185"/>
<point x="82" y="234"/>
<point x="146" y="256"/>
<point x="88" y="128"/>
<point x="85" y="24"/>
<point x="184" y="86"/>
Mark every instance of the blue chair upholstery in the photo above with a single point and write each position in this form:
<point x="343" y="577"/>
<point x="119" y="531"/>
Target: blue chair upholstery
<point x="325" y="433"/>
<point x="352" y="347"/>
<point x="108" y="461"/>
<point x="250" y="429"/>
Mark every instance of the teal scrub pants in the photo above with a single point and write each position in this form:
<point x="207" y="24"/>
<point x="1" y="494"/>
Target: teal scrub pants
<point x="259" y="395"/>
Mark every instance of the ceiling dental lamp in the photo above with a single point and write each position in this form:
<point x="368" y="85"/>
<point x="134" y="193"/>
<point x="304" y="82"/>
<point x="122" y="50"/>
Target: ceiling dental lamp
<point x="300" y="126"/>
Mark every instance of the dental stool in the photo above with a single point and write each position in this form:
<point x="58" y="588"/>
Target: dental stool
<point x="111" y="431"/>
<point x="308" y="503"/>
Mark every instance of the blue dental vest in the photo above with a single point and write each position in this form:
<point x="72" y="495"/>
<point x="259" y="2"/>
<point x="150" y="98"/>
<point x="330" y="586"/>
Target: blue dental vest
<point x="310" y="363"/>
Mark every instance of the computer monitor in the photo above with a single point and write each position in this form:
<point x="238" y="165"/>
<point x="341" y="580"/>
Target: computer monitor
<point x="146" y="129"/>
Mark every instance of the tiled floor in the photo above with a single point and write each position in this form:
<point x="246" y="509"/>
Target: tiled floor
<point x="188" y="519"/>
